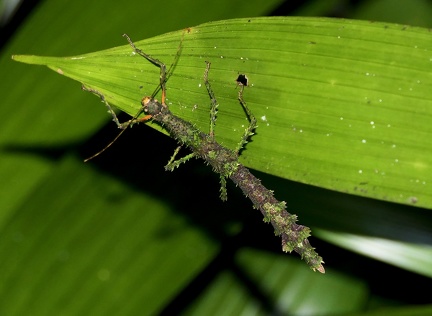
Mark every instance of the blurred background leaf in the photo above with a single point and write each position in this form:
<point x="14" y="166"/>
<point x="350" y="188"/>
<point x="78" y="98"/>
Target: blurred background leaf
<point x="121" y="236"/>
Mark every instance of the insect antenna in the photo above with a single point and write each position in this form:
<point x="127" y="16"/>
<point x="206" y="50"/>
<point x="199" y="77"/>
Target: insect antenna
<point x="106" y="147"/>
<point x="115" y="119"/>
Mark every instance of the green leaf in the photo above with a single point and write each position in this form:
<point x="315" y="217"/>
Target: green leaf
<point x="65" y="247"/>
<point x="46" y="117"/>
<point x="411" y="256"/>
<point x="278" y="289"/>
<point x="342" y="104"/>
<point x="421" y="310"/>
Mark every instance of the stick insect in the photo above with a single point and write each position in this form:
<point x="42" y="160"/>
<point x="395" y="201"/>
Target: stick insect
<point x="224" y="161"/>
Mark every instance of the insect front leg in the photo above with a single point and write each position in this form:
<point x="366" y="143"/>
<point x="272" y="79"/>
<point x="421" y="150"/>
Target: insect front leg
<point x="164" y="73"/>
<point x="123" y="125"/>
<point x="154" y="61"/>
<point x="102" y="97"/>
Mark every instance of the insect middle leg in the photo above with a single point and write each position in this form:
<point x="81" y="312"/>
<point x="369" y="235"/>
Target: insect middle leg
<point x="173" y="163"/>
<point x="213" y="114"/>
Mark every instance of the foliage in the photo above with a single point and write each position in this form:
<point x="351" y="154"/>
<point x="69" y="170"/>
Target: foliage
<point x="121" y="236"/>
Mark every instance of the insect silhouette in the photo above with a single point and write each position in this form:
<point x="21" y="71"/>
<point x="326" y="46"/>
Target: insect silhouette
<point x="224" y="161"/>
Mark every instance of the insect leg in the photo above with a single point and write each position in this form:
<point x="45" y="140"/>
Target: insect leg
<point x="213" y="115"/>
<point x="172" y="164"/>
<point x="214" y="104"/>
<point x="102" y="97"/>
<point x="154" y="61"/>
<point x="223" y="191"/>
<point x="252" y="122"/>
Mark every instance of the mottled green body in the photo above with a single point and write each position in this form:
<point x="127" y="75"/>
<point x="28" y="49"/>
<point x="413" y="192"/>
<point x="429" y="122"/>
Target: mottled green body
<point x="225" y="162"/>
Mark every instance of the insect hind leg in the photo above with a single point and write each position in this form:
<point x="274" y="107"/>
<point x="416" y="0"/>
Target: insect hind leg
<point x="249" y="132"/>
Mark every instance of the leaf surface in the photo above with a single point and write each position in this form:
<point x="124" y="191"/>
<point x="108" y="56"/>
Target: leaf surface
<point x="344" y="105"/>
